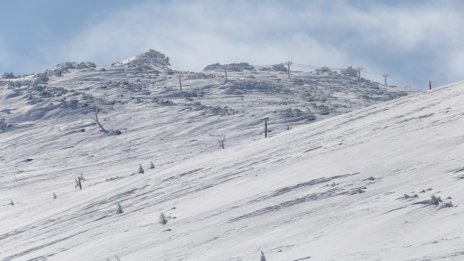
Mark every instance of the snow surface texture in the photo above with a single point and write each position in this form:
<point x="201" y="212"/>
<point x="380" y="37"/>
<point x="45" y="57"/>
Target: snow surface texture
<point x="373" y="184"/>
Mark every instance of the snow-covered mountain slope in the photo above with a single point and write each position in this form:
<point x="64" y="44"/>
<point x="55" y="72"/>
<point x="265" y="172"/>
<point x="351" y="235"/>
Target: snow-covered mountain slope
<point x="357" y="186"/>
<point x="247" y="95"/>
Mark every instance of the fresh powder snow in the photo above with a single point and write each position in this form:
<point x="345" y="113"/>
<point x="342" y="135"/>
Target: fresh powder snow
<point x="351" y="169"/>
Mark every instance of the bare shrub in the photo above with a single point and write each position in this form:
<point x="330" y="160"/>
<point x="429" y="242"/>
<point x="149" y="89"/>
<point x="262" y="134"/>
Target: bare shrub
<point x="119" y="210"/>
<point x="162" y="219"/>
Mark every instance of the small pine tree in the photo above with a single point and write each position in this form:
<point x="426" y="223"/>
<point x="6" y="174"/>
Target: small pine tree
<point x="141" y="171"/>
<point x="162" y="219"/>
<point x="263" y="258"/>
<point x="78" y="183"/>
<point x="12" y="203"/>
<point x="55" y="196"/>
<point x="119" y="210"/>
<point x="152" y="166"/>
<point x="222" y="142"/>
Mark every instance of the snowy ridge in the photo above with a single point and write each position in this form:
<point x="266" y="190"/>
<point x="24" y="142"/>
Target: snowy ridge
<point x="150" y="59"/>
<point x="379" y="183"/>
<point x="249" y="93"/>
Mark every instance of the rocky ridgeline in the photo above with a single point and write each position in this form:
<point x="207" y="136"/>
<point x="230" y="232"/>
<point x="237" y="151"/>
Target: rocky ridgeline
<point x="149" y="60"/>
<point x="147" y="79"/>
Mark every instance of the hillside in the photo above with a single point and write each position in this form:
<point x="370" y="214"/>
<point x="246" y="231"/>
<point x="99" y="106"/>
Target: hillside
<point x="148" y="82"/>
<point x="357" y="186"/>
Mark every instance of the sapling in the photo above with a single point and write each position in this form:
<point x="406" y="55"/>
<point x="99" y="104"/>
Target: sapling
<point x="222" y="142"/>
<point x="141" y="171"/>
<point x="78" y="183"/>
<point x="119" y="210"/>
<point x="162" y="219"/>
<point x="152" y="166"/>
<point x="102" y="129"/>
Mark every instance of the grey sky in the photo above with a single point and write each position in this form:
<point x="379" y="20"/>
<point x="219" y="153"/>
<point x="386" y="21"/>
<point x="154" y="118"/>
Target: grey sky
<point x="414" y="41"/>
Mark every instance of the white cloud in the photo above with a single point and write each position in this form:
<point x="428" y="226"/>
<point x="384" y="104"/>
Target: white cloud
<point x="4" y="56"/>
<point x="197" y="33"/>
<point x="456" y="65"/>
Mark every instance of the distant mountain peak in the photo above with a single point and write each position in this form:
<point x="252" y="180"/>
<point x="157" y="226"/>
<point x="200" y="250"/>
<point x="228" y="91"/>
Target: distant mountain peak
<point x="150" y="59"/>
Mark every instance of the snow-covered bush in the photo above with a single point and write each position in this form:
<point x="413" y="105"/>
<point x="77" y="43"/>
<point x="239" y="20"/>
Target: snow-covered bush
<point x="434" y="200"/>
<point x="406" y="196"/>
<point x="447" y="205"/>
<point x="65" y="67"/>
<point x="214" y="66"/>
<point x="153" y="56"/>
<point x="323" y="70"/>
<point x="8" y="75"/>
<point x="279" y="67"/>
<point x="162" y="219"/>
<point x="349" y="71"/>
<point x="149" y="60"/>
<point x="293" y="115"/>
<point x="86" y="65"/>
<point x="119" y="209"/>
<point x="245" y="86"/>
<point x="237" y="67"/>
<point x="264" y="69"/>
<point x="298" y="81"/>
<point x="114" y="132"/>
<point x="198" y="75"/>
<point x="43" y="77"/>
<point x="4" y="125"/>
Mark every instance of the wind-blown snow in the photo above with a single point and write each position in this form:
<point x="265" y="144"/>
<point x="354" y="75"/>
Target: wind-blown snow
<point x="356" y="186"/>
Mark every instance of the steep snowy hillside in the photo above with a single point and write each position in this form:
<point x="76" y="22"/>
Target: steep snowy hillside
<point x="378" y="183"/>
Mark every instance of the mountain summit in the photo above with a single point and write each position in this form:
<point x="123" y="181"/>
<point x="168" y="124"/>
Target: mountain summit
<point x="150" y="59"/>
